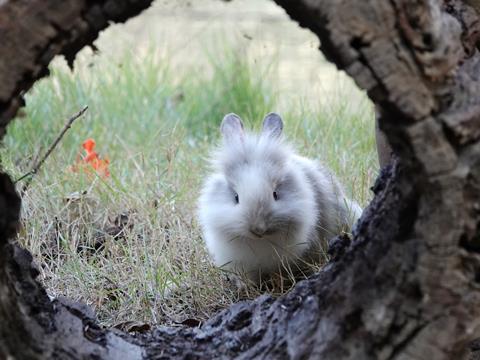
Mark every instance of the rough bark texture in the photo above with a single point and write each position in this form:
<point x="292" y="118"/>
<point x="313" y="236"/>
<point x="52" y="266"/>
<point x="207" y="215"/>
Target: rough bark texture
<point x="384" y="151"/>
<point x="407" y="286"/>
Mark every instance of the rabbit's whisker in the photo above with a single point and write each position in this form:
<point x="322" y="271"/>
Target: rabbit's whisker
<point x="234" y="238"/>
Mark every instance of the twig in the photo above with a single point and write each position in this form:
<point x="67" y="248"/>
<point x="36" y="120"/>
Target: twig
<point x="38" y="164"/>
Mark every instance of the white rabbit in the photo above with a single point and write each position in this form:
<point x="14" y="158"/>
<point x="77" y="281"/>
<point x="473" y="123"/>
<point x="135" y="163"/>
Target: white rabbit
<point x="264" y="207"/>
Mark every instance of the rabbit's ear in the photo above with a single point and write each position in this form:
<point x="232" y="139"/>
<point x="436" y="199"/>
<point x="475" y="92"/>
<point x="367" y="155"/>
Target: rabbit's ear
<point x="272" y="125"/>
<point x="232" y="127"/>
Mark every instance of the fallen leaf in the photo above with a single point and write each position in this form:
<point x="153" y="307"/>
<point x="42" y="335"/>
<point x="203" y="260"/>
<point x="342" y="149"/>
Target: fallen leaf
<point x="133" y="326"/>
<point x="191" y="323"/>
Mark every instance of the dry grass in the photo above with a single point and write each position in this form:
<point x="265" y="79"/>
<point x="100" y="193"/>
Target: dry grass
<point x="130" y="245"/>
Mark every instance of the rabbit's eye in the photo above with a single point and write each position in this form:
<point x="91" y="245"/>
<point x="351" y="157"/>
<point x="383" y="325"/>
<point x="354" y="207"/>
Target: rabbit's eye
<point x="236" y="198"/>
<point x="275" y="195"/>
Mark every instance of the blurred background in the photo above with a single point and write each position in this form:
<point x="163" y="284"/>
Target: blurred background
<point x="127" y="242"/>
<point x="193" y="32"/>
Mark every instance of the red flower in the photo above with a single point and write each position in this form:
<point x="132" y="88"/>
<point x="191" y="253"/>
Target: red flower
<point x="91" y="160"/>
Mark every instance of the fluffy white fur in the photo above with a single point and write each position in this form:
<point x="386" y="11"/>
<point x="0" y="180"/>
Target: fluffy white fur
<point x="288" y="205"/>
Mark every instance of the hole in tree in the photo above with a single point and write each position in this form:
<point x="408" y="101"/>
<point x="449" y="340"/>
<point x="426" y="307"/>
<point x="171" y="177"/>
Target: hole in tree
<point x="157" y="88"/>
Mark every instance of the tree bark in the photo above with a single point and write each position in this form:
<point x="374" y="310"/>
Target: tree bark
<point x="384" y="151"/>
<point x="406" y="286"/>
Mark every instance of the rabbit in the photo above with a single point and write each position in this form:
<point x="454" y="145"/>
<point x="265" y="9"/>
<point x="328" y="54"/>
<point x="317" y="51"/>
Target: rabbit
<point x="264" y="207"/>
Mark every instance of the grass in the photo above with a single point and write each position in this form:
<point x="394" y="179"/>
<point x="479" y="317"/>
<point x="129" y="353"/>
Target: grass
<point x="129" y="244"/>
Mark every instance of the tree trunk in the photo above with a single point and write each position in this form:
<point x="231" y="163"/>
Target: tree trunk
<point x="384" y="151"/>
<point x="407" y="286"/>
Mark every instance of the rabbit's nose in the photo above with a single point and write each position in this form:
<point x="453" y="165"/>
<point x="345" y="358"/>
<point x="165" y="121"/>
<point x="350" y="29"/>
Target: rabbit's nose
<point x="258" y="230"/>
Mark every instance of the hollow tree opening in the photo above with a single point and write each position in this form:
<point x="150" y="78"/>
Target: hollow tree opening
<point x="404" y="287"/>
<point x="127" y="244"/>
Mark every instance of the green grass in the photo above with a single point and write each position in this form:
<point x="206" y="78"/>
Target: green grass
<point x="157" y="127"/>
